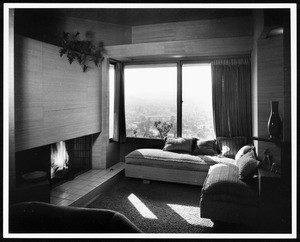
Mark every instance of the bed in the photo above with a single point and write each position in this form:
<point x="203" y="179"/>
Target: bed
<point x="180" y="163"/>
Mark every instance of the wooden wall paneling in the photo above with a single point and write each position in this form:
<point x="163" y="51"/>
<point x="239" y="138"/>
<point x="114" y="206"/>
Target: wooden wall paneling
<point x="94" y="98"/>
<point x="287" y="78"/>
<point x="270" y="88"/>
<point x="47" y="25"/>
<point x="154" y="33"/>
<point x="270" y="79"/>
<point x="200" y="47"/>
<point x="55" y="100"/>
<point x="201" y="29"/>
<point x="110" y="34"/>
<point x="28" y="92"/>
<point x="206" y="47"/>
<point x="11" y="106"/>
<point x="66" y="109"/>
<point x="101" y="141"/>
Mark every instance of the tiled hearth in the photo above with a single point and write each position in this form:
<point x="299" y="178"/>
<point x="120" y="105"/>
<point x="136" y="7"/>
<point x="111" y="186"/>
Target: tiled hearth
<point x="83" y="188"/>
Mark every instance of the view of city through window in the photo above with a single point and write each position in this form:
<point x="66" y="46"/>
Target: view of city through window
<point x="111" y="99"/>
<point x="150" y="96"/>
<point x="151" y="101"/>
<point x="197" y="116"/>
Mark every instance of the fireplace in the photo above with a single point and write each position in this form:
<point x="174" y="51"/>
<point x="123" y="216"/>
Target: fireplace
<point x="53" y="164"/>
<point x="69" y="159"/>
<point x="59" y="160"/>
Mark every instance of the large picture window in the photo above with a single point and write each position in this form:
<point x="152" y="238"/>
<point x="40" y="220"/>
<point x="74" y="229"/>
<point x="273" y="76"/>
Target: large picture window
<point x="152" y="95"/>
<point x="111" y="78"/>
<point x="197" y="115"/>
<point x="151" y="100"/>
<point x="182" y="99"/>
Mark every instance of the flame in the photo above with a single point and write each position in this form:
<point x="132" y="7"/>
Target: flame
<point x="59" y="157"/>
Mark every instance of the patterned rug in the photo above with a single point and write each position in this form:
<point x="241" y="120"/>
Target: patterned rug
<point x="158" y="207"/>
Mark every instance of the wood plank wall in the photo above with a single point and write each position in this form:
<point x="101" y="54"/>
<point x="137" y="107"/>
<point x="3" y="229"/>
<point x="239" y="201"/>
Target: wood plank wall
<point x="101" y="141"/>
<point x="109" y="34"/>
<point x="270" y="88"/>
<point x="11" y="88"/>
<point x="213" y="37"/>
<point x="201" y="29"/>
<point x="200" y="47"/>
<point x="258" y="24"/>
<point x="287" y="128"/>
<point x="53" y="100"/>
<point x="270" y="79"/>
<point x="47" y="25"/>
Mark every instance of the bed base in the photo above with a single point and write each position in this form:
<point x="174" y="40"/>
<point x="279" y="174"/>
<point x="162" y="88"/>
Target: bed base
<point x="164" y="174"/>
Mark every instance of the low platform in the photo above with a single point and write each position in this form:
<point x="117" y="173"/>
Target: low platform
<point x="165" y="174"/>
<point x="85" y="187"/>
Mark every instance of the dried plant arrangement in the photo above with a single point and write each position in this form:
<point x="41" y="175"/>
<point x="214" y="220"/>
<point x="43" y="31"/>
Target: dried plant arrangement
<point x="83" y="51"/>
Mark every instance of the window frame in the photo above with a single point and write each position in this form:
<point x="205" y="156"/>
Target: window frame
<point x="111" y="122"/>
<point x="179" y="63"/>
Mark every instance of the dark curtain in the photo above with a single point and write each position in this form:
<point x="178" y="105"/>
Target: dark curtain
<point x="231" y="87"/>
<point x="119" y="134"/>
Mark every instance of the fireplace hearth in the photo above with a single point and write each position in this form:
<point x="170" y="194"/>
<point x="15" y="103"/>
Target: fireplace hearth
<point x="58" y="162"/>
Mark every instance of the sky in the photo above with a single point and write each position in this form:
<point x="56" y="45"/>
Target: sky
<point x="160" y="83"/>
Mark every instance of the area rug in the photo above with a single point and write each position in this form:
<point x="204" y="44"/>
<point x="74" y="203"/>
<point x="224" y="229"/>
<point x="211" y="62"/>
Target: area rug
<point x="157" y="207"/>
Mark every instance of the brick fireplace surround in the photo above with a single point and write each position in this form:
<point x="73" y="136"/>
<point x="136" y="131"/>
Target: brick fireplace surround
<point x="82" y="184"/>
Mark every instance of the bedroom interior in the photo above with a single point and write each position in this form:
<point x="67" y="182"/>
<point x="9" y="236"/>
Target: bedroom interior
<point x="82" y="142"/>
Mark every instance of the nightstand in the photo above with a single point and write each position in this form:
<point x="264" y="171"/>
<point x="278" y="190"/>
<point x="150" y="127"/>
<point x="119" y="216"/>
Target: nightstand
<point x="285" y="155"/>
<point x="275" y="205"/>
<point x="268" y="184"/>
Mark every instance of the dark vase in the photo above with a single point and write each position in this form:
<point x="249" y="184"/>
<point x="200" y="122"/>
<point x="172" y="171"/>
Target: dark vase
<point x="274" y="123"/>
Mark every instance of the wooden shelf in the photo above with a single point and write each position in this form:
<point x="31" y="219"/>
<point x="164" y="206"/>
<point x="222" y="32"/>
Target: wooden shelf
<point x="267" y="182"/>
<point x="268" y="139"/>
<point x="267" y="173"/>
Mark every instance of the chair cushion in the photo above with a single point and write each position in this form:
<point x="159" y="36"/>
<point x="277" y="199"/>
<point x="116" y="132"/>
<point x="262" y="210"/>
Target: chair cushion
<point x="244" y="150"/>
<point x="247" y="165"/>
<point x="179" y="144"/>
<point x="206" y="147"/>
<point x="223" y="181"/>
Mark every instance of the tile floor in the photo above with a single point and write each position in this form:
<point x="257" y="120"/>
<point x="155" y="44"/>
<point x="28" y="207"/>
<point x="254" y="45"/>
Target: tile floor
<point x="84" y="187"/>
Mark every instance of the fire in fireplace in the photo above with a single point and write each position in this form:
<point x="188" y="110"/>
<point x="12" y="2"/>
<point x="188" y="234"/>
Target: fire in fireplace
<point x="59" y="160"/>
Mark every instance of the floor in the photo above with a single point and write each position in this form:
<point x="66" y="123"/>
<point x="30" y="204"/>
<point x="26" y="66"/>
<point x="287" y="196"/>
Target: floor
<point x="83" y="188"/>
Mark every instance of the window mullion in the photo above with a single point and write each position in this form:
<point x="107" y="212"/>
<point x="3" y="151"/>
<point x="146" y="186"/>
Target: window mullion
<point x="179" y="99"/>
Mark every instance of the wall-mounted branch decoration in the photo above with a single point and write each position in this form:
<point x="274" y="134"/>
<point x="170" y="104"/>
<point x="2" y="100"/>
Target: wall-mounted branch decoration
<point x="83" y="51"/>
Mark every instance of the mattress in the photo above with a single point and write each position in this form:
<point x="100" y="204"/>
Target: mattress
<point x="173" y="160"/>
<point x="223" y="182"/>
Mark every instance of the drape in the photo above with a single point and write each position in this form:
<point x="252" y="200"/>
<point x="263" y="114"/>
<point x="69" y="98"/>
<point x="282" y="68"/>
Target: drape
<point x="231" y="87"/>
<point x="119" y="133"/>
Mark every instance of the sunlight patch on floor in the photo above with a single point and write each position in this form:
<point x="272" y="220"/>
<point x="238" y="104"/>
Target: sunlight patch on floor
<point x="141" y="207"/>
<point x="191" y="215"/>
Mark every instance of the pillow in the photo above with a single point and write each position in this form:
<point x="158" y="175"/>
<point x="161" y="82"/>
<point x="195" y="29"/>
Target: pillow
<point x="179" y="144"/>
<point x="244" y="150"/>
<point x="229" y="146"/>
<point x="207" y="147"/>
<point x="247" y="165"/>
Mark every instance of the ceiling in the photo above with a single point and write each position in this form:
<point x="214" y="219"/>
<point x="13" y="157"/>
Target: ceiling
<point x="135" y="17"/>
